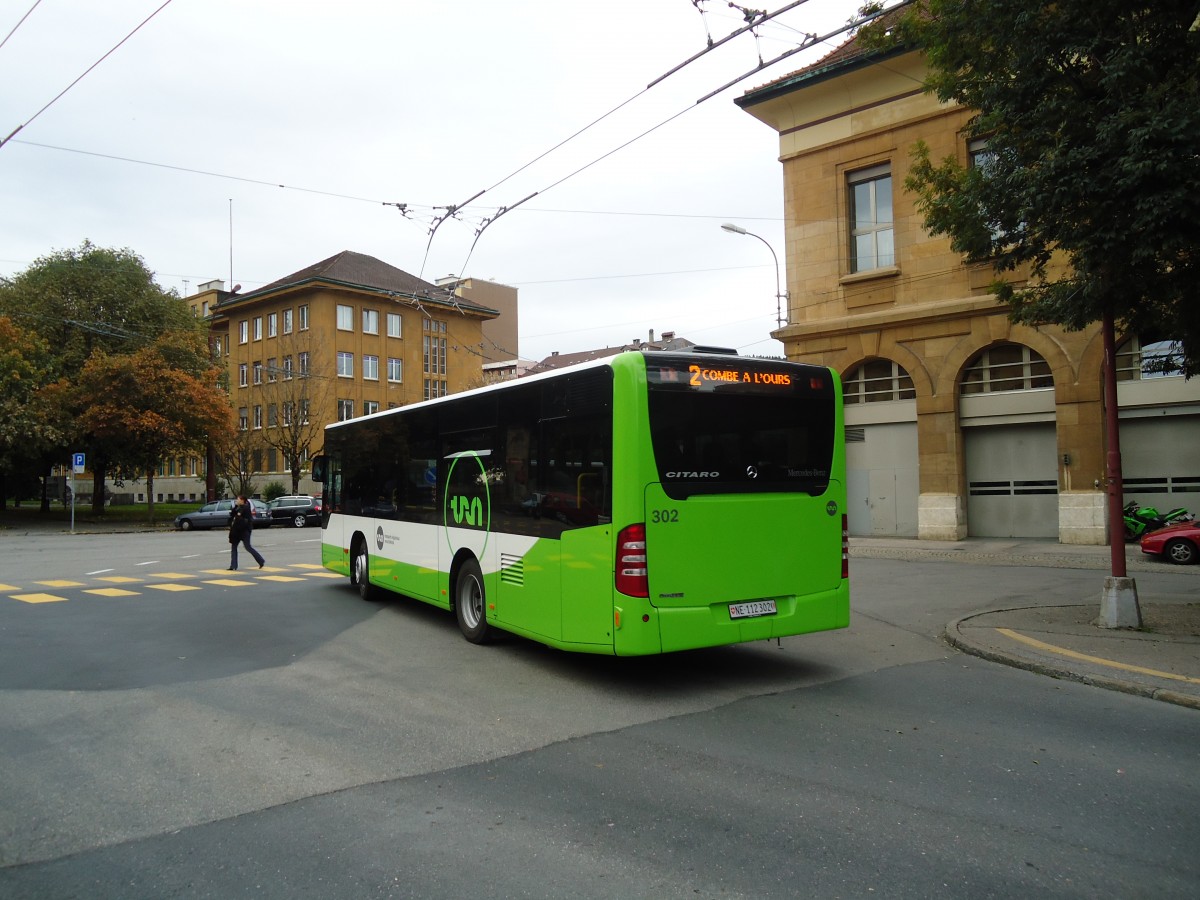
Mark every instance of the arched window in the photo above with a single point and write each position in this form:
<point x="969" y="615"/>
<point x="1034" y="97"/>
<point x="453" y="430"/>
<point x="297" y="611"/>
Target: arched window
<point x="1006" y="367"/>
<point x="1144" y="356"/>
<point x="878" y="380"/>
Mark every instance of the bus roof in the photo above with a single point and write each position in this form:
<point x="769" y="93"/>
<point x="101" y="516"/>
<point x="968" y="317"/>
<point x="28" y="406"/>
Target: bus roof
<point x="714" y="353"/>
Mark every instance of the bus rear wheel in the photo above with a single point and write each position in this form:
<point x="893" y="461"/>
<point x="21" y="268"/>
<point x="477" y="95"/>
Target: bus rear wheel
<point x="360" y="572"/>
<point x="470" y="603"/>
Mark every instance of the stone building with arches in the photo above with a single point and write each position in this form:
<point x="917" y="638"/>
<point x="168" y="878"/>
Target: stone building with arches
<point x="958" y="421"/>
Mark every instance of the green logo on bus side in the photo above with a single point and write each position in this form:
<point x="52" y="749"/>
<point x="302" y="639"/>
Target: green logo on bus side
<point x="468" y="501"/>
<point x="467" y="509"/>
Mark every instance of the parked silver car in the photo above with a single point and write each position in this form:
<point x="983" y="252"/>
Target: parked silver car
<point x="216" y="515"/>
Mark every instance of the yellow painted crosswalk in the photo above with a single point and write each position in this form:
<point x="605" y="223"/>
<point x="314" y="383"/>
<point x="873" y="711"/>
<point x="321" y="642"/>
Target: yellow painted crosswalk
<point x="121" y="586"/>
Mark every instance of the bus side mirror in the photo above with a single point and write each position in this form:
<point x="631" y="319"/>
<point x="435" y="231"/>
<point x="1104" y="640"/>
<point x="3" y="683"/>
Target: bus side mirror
<point x="320" y="465"/>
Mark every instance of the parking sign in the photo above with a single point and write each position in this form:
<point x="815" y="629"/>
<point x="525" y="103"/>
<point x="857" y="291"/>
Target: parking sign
<point x="77" y="463"/>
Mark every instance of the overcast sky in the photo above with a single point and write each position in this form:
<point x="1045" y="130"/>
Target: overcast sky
<point x="176" y="146"/>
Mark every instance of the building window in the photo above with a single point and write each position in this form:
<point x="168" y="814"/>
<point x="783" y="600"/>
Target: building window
<point x="872" y="242"/>
<point x="345" y="318"/>
<point x="287" y="368"/>
<point x="288" y="406"/>
<point x="272" y="370"/>
<point x="878" y="380"/>
<point x="257" y="372"/>
<point x="272" y="324"/>
<point x="370" y="368"/>
<point x="244" y="332"/>
<point x="258" y="420"/>
<point x="370" y="406"/>
<point x="272" y="415"/>
<point x="243" y="374"/>
<point x="304" y="317"/>
<point x="434" y="388"/>
<point x="287" y="321"/>
<point x="1140" y="358"/>
<point x="370" y="321"/>
<point x="258" y="328"/>
<point x="395" y="369"/>
<point x="304" y="412"/>
<point x="393" y="325"/>
<point x="1006" y="367"/>
<point x="345" y="364"/>
<point x="304" y="364"/>
<point x="217" y="347"/>
<point x="433" y="347"/>
<point x="345" y="409"/>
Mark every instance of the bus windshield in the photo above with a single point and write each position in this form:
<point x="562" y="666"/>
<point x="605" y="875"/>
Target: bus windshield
<point x="740" y="427"/>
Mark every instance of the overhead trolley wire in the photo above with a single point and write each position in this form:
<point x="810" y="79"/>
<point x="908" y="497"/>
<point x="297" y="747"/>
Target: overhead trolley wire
<point x="85" y="73"/>
<point x="19" y="24"/>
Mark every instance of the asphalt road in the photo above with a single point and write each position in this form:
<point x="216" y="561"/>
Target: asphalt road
<point x="281" y="738"/>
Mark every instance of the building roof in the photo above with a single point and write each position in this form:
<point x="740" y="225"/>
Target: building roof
<point x="560" y="360"/>
<point x="850" y="54"/>
<point x="358" y="270"/>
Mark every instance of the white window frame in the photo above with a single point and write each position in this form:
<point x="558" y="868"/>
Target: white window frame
<point x="877" y="225"/>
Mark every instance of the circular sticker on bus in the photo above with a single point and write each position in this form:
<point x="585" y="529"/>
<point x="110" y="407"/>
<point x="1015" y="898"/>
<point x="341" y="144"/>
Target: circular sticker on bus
<point x="831" y="507"/>
<point x="468" y="503"/>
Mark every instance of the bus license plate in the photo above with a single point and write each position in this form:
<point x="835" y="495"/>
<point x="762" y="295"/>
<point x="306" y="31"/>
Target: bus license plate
<point x="752" y="608"/>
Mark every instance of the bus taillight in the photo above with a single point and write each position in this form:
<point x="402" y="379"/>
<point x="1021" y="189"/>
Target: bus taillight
<point x="632" y="579"/>
<point x="845" y="547"/>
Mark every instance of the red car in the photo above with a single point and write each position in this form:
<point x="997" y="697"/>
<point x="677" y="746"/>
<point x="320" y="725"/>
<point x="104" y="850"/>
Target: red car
<point x="1179" y="543"/>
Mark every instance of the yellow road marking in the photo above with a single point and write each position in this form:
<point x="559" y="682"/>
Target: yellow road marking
<point x="7" y="588"/>
<point x="283" y="578"/>
<point x="119" y="579"/>
<point x="37" y="598"/>
<point x="112" y="592"/>
<point x="307" y="566"/>
<point x="173" y="587"/>
<point x="172" y="575"/>
<point x="1112" y="664"/>
<point x="324" y="575"/>
<point x="60" y="583"/>
<point x="230" y="582"/>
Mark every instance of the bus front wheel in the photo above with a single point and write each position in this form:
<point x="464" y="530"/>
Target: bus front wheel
<point x="360" y="572"/>
<point x="470" y="603"/>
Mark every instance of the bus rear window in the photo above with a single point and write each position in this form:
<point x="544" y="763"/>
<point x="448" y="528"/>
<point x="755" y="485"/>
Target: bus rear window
<point x="744" y="428"/>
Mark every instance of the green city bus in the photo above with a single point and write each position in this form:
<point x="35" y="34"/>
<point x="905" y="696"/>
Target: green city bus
<point x="643" y="503"/>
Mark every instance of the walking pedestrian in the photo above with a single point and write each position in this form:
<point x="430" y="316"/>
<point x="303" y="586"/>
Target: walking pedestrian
<point x="241" y="527"/>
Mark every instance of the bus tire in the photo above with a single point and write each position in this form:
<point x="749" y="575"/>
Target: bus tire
<point x="360" y="572"/>
<point x="470" y="603"/>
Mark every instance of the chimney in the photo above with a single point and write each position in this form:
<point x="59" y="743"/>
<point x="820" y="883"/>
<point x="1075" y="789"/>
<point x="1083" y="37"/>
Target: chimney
<point x="668" y="336"/>
<point x="651" y="335"/>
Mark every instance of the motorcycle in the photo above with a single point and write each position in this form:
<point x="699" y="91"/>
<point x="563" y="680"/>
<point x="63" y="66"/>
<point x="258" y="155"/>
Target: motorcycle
<point x="1140" y="520"/>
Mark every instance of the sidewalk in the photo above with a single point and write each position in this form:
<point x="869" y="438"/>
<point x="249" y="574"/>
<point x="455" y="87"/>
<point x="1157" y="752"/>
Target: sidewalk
<point x="1160" y="661"/>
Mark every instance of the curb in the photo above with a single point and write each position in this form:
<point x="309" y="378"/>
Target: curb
<point x="956" y="639"/>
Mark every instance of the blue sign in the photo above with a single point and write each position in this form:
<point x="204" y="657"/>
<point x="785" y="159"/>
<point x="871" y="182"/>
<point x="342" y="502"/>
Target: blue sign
<point x="77" y="462"/>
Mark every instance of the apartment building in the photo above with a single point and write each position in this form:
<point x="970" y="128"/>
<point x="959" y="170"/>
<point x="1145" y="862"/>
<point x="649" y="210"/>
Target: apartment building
<point x="958" y="421"/>
<point x="345" y="337"/>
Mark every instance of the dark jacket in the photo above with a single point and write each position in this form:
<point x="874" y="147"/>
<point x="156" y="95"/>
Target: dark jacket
<point x="241" y="522"/>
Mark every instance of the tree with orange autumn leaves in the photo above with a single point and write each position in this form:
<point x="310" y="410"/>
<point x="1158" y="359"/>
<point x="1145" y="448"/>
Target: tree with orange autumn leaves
<point x="97" y="357"/>
<point x="157" y="402"/>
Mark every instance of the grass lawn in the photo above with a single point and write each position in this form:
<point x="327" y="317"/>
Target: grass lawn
<point x="29" y="512"/>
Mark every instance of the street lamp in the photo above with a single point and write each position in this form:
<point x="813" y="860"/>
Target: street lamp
<point x="780" y="295"/>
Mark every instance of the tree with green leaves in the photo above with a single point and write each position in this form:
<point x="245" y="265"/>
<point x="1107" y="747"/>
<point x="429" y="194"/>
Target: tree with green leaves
<point x="85" y="301"/>
<point x="1090" y="112"/>
<point x="33" y="420"/>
